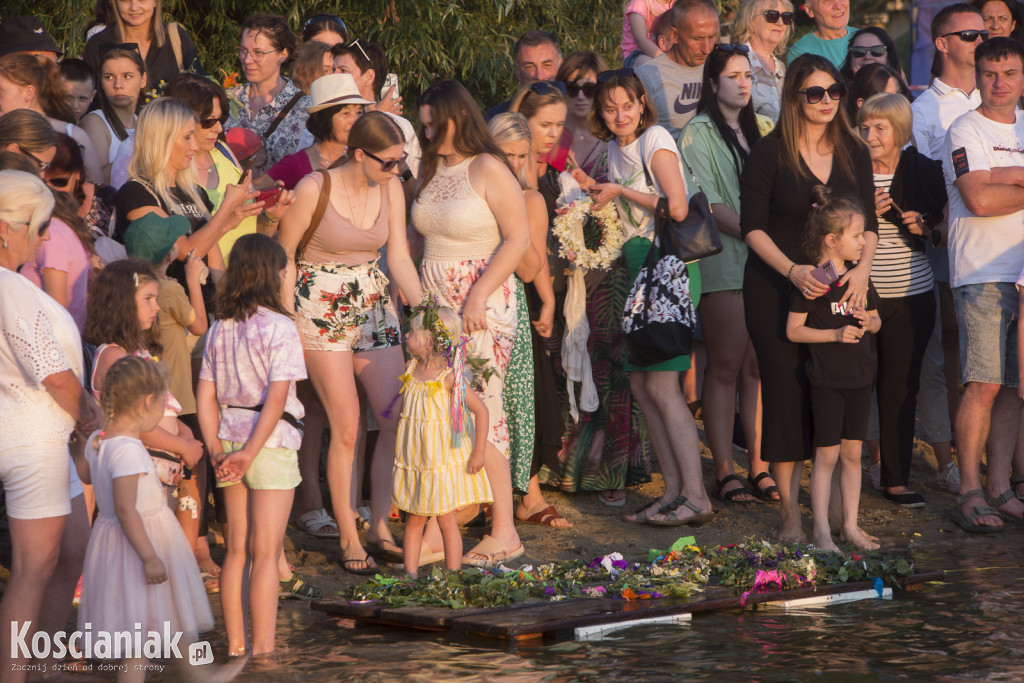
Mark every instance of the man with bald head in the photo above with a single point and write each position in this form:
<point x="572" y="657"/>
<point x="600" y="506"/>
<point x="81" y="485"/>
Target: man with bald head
<point x="673" y="79"/>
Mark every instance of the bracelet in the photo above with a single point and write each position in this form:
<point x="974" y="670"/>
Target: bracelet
<point x="265" y="216"/>
<point x="789" y="274"/>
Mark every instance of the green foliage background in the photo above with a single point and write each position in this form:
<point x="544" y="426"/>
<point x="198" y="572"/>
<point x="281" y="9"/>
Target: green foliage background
<point x="425" y="40"/>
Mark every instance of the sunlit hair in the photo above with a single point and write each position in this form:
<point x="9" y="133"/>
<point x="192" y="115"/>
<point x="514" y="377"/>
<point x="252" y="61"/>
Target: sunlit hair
<point x="128" y="382"/>
<point x="159" y="126"/>
<point x="829" y="215"/>
<point x="373" y="132"/>
<point x="113" y="120"/>
<point x="511" y="127"/>
<point x="157" y="28"/>
<point x="714" y="66"/>
<point x="580" y="64"/>
<point x="275" y="28"/>
<point x="451" y="104"/>
<point x="198" y="93"/>
<point x="252" y="279"/>
<point x="792" y="122"/>
<point x="111" y="314"/>
<point x="12" y="161"/>
<point x="528" y="103"/>
<point x="890" y="107"/>
<point x="367" y="56"/>
<point x="871" y="79"/>
<point x="27" y="129"/>
<point x="426" y="338"/>
<point x="24" y="69"/>
<point x="309" y="64"/>
<point x="24" y="198"/>
<point x="635" y="91"/>
<point x="680" y="11"/>
<point x="749" y="10"/>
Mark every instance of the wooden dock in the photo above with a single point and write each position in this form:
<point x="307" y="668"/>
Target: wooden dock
<point x="560" y="619"/>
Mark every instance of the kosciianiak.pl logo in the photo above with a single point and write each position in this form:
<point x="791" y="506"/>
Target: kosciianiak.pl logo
<point x="92" y="644"/>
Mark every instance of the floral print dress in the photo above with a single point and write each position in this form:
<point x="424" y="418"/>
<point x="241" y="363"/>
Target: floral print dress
<point x="285" y="137"/>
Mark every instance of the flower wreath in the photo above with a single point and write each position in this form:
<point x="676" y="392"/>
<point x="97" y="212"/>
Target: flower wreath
<point x="568" y="229"/>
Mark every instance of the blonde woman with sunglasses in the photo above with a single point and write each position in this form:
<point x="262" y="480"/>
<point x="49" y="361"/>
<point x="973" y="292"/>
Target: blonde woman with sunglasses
<point x="765" y="26"/>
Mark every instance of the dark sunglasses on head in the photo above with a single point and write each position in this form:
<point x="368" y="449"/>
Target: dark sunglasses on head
<point x="816" y="93"/>
<point x="211" y="122"/>
<point x="338" y="24"/>
<point x="772" y="16"/>
<point x="386" y="166"/>
<point x="547" y="87"/>
<point x="874" y="50"/>
<point x="970" y="36"/>
<point x="621" y="73"/>
<point x="133" y="47"/>
<point x="43" y="165"/>
<point x="59" y="182"/>
<point x="732" y="48"/>
<point x="574" y="88"/>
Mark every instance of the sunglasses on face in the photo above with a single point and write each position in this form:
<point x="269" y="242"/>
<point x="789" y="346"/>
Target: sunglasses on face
<point x="547" y="87"/>
<point x="206" y="124"/>
<point x="621" y="73"/>
<point x="816" y="93"/>
<point x="574" y="88"/>
<point x="970" y="36"/>
<point x="732" y="48"/>
<point x="61" y="182"/>
<point x="386" y="166"/>
<point x="772" y="16"/>
<point x="43" y="165"/>
<point x="873" y="50"/>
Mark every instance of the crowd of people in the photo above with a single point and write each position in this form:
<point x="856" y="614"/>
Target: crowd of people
<point x="201" y="288"/>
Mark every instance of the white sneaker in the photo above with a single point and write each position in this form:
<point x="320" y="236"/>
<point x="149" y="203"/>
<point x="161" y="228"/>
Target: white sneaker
<point x="949" y="477"/>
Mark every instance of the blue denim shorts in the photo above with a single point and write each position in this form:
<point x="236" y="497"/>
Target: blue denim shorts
<point x="987" y="316"/>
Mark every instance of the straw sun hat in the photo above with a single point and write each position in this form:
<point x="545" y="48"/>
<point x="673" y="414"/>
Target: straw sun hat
<point x="332" y="90"/>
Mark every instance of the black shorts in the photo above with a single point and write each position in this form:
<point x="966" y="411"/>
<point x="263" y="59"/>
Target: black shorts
<point x="840" y="414"/>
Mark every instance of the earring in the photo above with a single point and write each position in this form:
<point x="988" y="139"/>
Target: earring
<point x="5" y="244"/>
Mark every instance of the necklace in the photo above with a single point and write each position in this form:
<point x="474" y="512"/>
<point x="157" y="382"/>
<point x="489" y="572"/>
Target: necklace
<point x="205" y="168"/>
<point x="323" y="162"/>
<point x="348" y="199"/>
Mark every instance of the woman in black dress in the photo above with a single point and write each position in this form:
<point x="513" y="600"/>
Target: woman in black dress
<point x="813" y="144"/>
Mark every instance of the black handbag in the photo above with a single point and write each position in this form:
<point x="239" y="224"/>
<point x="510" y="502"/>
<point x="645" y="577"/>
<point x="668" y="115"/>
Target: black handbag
<point x="696" y="236"/>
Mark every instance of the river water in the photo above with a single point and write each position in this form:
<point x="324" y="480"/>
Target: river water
<point x="969" y="627"/>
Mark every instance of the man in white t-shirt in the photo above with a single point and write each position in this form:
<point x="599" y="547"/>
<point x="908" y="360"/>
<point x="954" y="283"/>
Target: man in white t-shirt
<point x="984" y="167"/>
<point x="673" y="79"/>
<point x="952" y="92"/>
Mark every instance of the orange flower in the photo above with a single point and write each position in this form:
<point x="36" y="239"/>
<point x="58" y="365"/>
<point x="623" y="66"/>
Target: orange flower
<point x="230" y="79"/>
<point x="628" y="594"/>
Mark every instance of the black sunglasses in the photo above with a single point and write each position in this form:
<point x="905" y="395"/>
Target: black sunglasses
<point x="211" y="122"/>
<point x="574" y="88"/>
<point x="131" y="47"/>
<point x="59" y="182"/>
<point x="816" y="93"/>
<point x="547" y="87"/>
<point x="386" y="166"/>
<point x="970" y="36"/>
<point x="732" y="48"/>
<point x="620" y="73"/>
<point x="772" y="16"/>
<point x="860" y="52"/>
<point x="43" y="165"/>
<point x="334" y="21"/>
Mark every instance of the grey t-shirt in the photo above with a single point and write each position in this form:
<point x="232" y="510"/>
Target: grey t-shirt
<point x="674" y="88"/>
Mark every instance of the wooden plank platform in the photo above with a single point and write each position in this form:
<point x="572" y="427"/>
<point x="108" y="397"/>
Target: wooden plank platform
<point x="561" y="618"/>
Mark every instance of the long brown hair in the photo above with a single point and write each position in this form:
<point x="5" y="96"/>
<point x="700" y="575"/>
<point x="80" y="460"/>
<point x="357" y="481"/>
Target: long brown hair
<point x="449" y="101"/>
<point x="24" y="69"/>
<point x="791" y="119"/>
<point x="253" y="279"/>
<point x="111" y="314"/>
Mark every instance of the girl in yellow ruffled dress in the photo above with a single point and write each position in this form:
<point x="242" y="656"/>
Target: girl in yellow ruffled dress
<point x="439" y="459"/>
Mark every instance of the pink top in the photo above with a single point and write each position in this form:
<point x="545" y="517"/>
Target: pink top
<point x="63" y="252"/>
<point x="649" y="10"/>
<point x="337" y="240"/>
<point x="291" y="169"/>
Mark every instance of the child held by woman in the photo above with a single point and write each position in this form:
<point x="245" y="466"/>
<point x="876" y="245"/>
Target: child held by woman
<point x="439" y="460"/>
<point x="249" y="415"/>
<point x="842" y="362"/>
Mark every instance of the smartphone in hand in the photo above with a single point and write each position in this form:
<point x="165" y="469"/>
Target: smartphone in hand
<point x="825" y="273"/>
<point x="269" y="196"/>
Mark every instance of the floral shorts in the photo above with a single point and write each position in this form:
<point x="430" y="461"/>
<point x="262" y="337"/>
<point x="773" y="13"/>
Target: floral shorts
<point x="344" y="308"/>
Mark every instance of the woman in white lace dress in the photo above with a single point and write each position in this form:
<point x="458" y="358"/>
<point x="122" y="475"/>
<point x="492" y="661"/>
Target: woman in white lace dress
<point x="41" y="401"/>
<point x="471" y="212"/>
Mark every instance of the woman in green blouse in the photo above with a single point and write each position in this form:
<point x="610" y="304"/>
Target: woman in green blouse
<point x="715" y="145"/>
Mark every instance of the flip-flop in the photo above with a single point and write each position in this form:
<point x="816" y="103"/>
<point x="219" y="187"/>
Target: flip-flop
<point x="377" y="550"/>
<point x="494" y="553"/>
<point x="365" y="571"/>
<point x="698" y="518"/>
<point x="544" y="518"/>
<point x="731" y="495"/>
<point x="966" y="522"/>
<point x="764" y="494"/>
<point x="613" y="503"/>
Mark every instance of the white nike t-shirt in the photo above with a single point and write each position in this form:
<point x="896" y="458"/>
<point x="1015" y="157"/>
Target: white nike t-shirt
<point x="675" y="90"/>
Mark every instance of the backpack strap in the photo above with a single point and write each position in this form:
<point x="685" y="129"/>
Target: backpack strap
<point x="318" y="213"/>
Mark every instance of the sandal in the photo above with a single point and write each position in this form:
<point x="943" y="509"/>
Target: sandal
<point x="1002" y="499"/>
<point x="545" y="518"/>
<point x="967" y="522"/>
<point x="318" y="523"/>
<point x="731" y="495"/>
<point x="299" y="589"/>
<point x="610" y="502"/>
<point x="494" y="553"/>
<point x="210" y="582"/>
<point x="1014" y="483"/>
<point x="769" y="494"/>
<point x="698" y="517"/>
<point x="642" y="516"/>
<point x="366" y="570"/>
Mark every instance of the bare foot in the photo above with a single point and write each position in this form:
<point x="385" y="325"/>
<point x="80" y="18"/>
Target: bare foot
<point x="844" y="539"/>
<point x="792" y="533"/>
<point x="825" y="542"/>
<point x="648" y="512"/>
<point x="967" y="509"/>
<point x="861" y="538"/>
<point x="509" y="542"/>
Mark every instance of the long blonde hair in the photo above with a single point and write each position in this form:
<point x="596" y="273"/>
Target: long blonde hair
<point x="511" y="126"/>
<point x="159" y="125"/>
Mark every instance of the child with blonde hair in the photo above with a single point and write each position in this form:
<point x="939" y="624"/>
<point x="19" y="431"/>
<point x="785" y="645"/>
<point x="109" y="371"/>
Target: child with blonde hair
<point x="439" y="459"/>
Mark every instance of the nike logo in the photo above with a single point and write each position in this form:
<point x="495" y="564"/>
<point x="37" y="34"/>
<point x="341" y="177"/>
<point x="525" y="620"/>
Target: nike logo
<point x="681" y="108"/>
<point x="688" y="98"/>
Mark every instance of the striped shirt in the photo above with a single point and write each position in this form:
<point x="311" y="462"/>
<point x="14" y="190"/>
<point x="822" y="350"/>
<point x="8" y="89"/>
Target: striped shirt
<point x="898" y="270"/>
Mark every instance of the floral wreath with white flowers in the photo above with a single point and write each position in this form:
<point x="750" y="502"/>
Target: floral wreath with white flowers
<point x="568" y="229"/>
